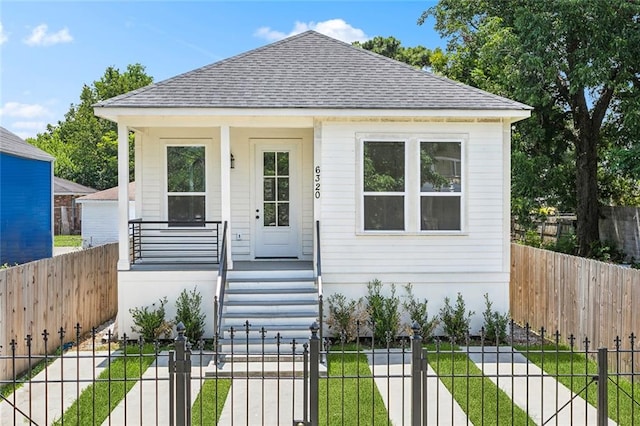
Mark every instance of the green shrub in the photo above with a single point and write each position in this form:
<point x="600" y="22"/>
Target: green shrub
<point x="189" y="312"/>
<point x="384" y="313"/>
<point x="149" y="321"/>
<point x="417" y="311"/>
<point x="343" y="316"/>
<point x="455" y="319"/>
<point x="495" y="323"/>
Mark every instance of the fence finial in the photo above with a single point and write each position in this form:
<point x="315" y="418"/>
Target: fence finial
<point x="415" y="328"/>
<point x="314" y="329"/>
<point x="180" y="328"/>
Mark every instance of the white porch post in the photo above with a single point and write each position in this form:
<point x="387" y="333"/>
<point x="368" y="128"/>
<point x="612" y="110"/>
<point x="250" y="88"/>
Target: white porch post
<point x="123" y="197"/>
<point x="317" y="177"/>
<point x="225" y="185"/>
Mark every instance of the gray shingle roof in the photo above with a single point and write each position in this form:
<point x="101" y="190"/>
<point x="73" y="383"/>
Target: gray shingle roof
<point x="11" y="143"/>
<point x="63" y="186"/>
<point x="311" y="70"/>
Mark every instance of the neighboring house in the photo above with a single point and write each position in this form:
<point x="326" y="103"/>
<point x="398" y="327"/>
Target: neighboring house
<point x="66" y="214"/>
<point x="406" y="173"/>
<point x="100" y="216"/>
<point x="26" y="201"/>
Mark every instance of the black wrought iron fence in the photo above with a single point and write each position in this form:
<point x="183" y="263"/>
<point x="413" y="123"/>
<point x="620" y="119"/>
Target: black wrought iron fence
<point x="400" y="381"/>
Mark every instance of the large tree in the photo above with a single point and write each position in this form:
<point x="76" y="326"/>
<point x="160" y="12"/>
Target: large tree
<point x="576" y="62"/>
<point x="85" y="146"/>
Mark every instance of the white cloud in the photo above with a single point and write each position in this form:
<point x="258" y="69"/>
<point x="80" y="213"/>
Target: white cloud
<point x="336" y="28"/>
<point x="24" y="111"/>
<point x="28" y="129"/>
<point x="41" y="37"/>
<point x="3" y="36"/>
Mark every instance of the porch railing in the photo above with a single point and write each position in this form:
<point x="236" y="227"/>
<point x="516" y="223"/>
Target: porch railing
<point x="319" y="277"/>
<point x="218" y="303"/>
<point x="156" y="241"/>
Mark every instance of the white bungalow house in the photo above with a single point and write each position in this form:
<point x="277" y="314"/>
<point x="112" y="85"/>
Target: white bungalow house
<point x="319" y="158"/>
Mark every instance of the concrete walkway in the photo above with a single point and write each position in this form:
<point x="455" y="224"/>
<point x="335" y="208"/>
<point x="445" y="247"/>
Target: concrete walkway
<point x="392" y="376"/>
<point x="545" y="394"/>
<point x="44" y="403"/>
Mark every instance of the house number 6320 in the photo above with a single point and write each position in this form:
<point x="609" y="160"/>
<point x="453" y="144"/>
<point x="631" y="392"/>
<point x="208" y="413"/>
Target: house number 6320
<point x="316" y="182"/>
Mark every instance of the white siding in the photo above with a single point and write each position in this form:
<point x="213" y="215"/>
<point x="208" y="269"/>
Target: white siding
<point x="100" y="221"/>
<point x="472" y="262"/>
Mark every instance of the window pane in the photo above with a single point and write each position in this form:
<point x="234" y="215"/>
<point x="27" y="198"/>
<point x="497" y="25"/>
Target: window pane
<point x="185" y="169"/>
<point x="186" y="209"/>
<point x="269" y="159"/>
<point x="384" y="213"/>
<point x="283" y="214"/>
<point x="283" y="189"/>
<point x="269" y="189"/>
<point x="440" y="213"/>
<point x="283" y="164"/>
<point x="440" y="167"/>
<point x="384" y="166"/>
<point x="269" y="214"/>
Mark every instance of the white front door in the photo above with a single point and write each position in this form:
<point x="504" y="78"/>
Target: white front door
<point x="277" y="203"/>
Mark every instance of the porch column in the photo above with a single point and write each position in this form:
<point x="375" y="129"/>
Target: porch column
<point x="123" y="197"/>
<point x="317" y="177"/>
<point x="225" y="185"/>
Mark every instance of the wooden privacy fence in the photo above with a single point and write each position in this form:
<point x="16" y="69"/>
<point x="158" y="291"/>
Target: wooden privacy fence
<point x="79" y="287"/>
<point x="574" y="295"/>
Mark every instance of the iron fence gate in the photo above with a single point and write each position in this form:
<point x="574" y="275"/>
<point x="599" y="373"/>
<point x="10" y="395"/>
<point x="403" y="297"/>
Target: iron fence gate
<point x="401" y="381"/>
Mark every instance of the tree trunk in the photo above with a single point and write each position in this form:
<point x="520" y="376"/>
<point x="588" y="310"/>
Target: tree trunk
<point x="587" y="210"/>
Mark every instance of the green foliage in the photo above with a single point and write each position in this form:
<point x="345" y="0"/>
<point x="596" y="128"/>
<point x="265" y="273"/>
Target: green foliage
<point x="607" y="252"/>
<point x="150" y="322"/>
<point x="67" y="240"/>
<point x="455" y="319"/>
<point x="189" y="312"/>
<point x="391" y="47"/>
<point x="495" y="323"/>
<point x="566" y="244"/>
<point x="384" y="313"/>
<point x="343" y="316"/>
<point x="84" y="145"/>
<point x="576" y="64"/>
<point x="418" y="313"/>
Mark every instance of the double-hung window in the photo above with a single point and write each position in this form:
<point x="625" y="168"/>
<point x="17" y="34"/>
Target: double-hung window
<point x="384" y="186"/>
<point x="440" y="186"/>
<point x="186" y="187"/>
<point x="412" y="184"/>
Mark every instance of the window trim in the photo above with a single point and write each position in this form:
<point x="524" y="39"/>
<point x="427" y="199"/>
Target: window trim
<point x="412" y="191"/>
<point x="186" y="143"/>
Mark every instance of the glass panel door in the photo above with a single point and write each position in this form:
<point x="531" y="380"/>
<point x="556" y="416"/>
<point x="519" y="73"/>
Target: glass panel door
<point x="275" y="185"/>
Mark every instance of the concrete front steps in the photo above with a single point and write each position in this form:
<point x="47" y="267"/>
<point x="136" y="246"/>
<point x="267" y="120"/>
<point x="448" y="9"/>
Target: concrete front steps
<point x="283" y="302"/>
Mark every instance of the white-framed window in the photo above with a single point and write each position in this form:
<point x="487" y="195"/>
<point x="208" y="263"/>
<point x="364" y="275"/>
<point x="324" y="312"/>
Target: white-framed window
<point x="186" y="185"/>
<point x="384" y="185"/>
<point x="412" y="183"/>
<point x="440" y="186"/>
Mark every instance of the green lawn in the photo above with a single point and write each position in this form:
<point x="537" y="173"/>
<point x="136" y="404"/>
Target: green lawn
<point x="208" y="405"/>
<point x="572" y="369"/>
<point x="67" y="240"/>
<point x="99" y="399"/>
<point x="478" y="396"/>
<point x="343" y="400"/>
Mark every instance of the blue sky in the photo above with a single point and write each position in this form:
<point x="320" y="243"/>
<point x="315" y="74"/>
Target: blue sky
<point x="49" y="49"/>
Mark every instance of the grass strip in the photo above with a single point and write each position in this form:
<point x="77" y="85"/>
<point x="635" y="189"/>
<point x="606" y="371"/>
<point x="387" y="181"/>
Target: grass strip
<point x="478" y="396"/>
<point x="110" y="381"/>
<point x="67" y="240"/>
<point x="574" y="370"/>
<point x="8" y="389"/>
<point x="350" y="399"/>
<point x="212" y="395"/>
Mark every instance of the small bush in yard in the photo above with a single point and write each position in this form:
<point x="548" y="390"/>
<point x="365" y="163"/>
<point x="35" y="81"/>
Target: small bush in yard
<point x="417" y="311"/>
<point x="343" y="316"/>
<point x="189" y="312"/>
<point x="456" y="319"/>
<point x="495" y="323"/>
<point x="149" y="321"/>
<point x="383" y="311"/>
